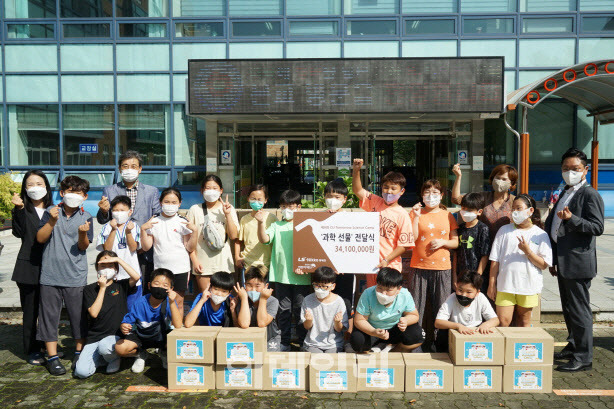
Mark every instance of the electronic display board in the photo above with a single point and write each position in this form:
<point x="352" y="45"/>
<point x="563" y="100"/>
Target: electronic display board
<point x="387" y="85"/>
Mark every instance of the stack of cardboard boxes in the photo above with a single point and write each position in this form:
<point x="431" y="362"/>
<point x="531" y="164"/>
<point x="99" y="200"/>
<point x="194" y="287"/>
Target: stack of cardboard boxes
<point x="509" y="360"/>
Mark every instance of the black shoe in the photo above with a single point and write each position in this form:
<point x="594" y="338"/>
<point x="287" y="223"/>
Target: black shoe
<point x="36" y="358"/>
<point x="74" y="362"/>
<point x="55" y="367"/>
<point x="564" y="354"/>
<point x="575" y="366"/>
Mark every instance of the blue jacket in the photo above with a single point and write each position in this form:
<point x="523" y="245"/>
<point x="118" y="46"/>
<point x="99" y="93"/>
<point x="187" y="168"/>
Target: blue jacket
<point x="147" y="202"/>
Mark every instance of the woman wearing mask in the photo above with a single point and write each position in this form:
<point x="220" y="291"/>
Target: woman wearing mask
<point x="30" y="206"/>
<point x="217" y="225"/>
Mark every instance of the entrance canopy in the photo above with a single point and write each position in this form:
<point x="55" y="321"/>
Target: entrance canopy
<point x="590" y="85"/>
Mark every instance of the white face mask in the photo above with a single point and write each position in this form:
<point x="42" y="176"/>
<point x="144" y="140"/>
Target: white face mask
<point x="170" y="209"/>
<point x="519" y="216"/>
<point x="218" y="299"/>
<point x="384" y="299"/>
<point x="121" y="217"/>
<point x="36" y="192"/>
<point x="73" y="200"/>
<point x="211" y="195"/>
<point x="334" y="204"/>
<point x="468" y="216"/>
<point x="108" y="272"/>
<point x="321" y="293"/>
<point x="130" y="175"/>
<point x="432" y="200"/>
<point x="501" y="186"/>
<point x="572" y="177"/>
<point x="287" y="214"/>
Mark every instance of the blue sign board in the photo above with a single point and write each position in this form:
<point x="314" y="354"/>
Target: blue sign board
<point x="88" y="148"/>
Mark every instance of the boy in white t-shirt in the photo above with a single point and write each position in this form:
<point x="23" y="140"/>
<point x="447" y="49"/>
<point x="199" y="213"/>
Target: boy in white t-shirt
<point x="122" y="235"/>
<point x="467" y="310"/>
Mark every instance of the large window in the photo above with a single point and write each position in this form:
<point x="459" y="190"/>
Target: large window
<point x="552" y="122"/>
<point x="90" y="57"/>
<point x="490" y="6"/>
<point x="87" y="30"/>
<point x="427" y="26"/>
<point x="189" y="138"/>
<point x="488" y="26"/>
<point x="86" y="8"/>
<point x="209" y="29"/>
<point x="89" y="135"/>
<point x="313" y="7"/>
<point x="87" y="88"/>
<point x="371" y="6"/>
<point x="140" y="8"/>
<point x="18" y="31"/>
<point x="198" y="8"/>
<point x="254" y="8"/>
<point x="142" y="30"/>
<point x="598" y="24"/>
<point x="142" y="57"/>
<point x="547" y="25"/>
<point x="34" y="136"/>
<point x="256" y="28"/>
<point x="31" y="58"/>
<point x="313" y="28"/>
<point x="547" y="6"/>
<point x="371" y="27"/>
<point x="29" y="8"/>
<point x="421" y="6"/>
<point x="145" y="128"/>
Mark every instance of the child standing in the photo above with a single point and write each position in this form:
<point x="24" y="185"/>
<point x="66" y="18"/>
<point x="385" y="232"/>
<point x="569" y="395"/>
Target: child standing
<point x="386" y="315"/>
<point x="396" y="234"/>
<point x="520" y="252"/>
<point x="474" y="240"/>
<point x="431" y="268"/>
<point x="212" y="307"/>
<point x="123" y="236"/>
<point x="256" y="306"/>
<point x="172" y="240"/>
<point x="290" y="287"/>
<point x="323" y="314"/>
<point x="67" y="231"/>
<point x="467" y="310"/>
<point x="248" y="249"/>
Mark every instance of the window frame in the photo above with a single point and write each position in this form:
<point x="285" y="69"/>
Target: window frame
<point x="454" y="19"/>
<point x="5" y="31"/>
<point x="490" y="35"/>
<point x="395" y="19"/>
<point x="281" y="22"/>
<point x="289" y="22"/>
<point x="223" y="37"/>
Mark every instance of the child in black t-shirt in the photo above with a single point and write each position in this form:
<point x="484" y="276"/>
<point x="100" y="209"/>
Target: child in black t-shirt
<point x="474" y="246"/>
<point x="105" y="305"/>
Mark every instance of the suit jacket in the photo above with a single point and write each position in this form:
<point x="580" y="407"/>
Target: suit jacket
<point x="575" y="252"/>
<point x="147" y="202"/>
<point x="25" y="226"/>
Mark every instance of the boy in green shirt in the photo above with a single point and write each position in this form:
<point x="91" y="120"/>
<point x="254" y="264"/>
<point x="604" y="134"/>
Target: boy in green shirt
<point x="290" y="287"/>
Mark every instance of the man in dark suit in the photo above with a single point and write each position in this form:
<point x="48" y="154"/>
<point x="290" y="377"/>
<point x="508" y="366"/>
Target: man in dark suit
<point x="145" y="203"/>
<point x="573" y="225"/>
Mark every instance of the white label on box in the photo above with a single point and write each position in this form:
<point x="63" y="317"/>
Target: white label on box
<point x="333" y="380"/>
<point x="239" y="351"/>
<point x="235" y="378"/>
<point x="380" y="378"/>
<point x="528" y="352"/>
<point x="477" y="378"/>
<point x="527" y="379"/>
<point x="429" y="379"/>
<point x="189" y="349"/>
<point x="285" y="378"/>
<point x="190" y="376"/>
<point x="478" y="351"/>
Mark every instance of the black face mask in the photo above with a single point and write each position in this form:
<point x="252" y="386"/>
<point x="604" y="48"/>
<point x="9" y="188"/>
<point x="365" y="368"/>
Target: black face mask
<point x="158" y="293"/>
<point x="464" y="301"/>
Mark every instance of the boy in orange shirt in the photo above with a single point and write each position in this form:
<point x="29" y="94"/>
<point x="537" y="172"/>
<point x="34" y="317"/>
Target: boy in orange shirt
<point x="395" y="225"/>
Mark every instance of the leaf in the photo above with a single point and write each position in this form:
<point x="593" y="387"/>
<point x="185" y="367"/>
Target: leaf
<point x="304" y="397"/>
<point x="412" y="401"/>
<point x="255" y="393"/>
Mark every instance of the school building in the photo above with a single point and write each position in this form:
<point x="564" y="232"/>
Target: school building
<point x="85" y="80"/>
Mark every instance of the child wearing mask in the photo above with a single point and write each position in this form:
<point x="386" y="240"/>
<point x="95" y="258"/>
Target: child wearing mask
<point x="324" y="315"/>
<point x="122" y="235"/>
<point x="290" y="287"/>
<point x="467" y="310"/>
<point x="256" y="306"/>
<point x="520" y="252"/>
<point x="396" y="234"/>
<point x="172" y="239"/>
<point x="431" y="268"/>
<point x="149" y="321"/>
<point x="105" y="302"/>
<point x="386" y="316"/>
<point x="212" y="306"/>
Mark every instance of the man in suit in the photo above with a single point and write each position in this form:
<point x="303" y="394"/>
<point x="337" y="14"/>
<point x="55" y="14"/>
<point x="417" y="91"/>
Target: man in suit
<point x="573" y="225"/>
<point x="145" y="202"/>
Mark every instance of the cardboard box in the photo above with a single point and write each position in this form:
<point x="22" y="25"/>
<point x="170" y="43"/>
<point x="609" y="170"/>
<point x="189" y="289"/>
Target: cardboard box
<point x="477" y="378"/>
<point x="476" y="349"/>
<point x="527" y="345"/>
<point x="194" y="345"/>
<point x="286" y="371"/>
<point x="428" y="372"/>
<point x="381" y="372"/>
<point x="243" y="377"/>
<point x="187" y="376"/>
<point x="332" y="372"/>
<point x="527" y="378"/>
<point x="241" y="346"/>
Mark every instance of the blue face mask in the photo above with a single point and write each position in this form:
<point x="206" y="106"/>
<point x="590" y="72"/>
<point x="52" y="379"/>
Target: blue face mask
<point x="253" y="295"/>
<point x="256" y="205"/>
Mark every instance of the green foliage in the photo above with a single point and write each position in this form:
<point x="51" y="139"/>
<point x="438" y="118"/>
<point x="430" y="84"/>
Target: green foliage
<point x="7" y="188"/>
<point x="320" y="202"/>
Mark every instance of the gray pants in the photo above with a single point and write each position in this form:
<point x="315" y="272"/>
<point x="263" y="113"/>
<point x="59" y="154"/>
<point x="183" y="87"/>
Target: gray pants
<point x="316" y="350"/>
<point x="576" y="303"/>
<point x="290" y="301"/>
<point x="429" y="288"/>
<point x="50" y="309"/>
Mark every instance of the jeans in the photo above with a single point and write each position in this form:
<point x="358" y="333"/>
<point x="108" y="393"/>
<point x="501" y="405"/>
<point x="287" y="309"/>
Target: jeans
<point x="96" y="354"/>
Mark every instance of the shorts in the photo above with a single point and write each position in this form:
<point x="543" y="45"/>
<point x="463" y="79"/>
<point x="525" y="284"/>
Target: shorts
<point x="180" y="283"/>
<point x="143" y="343"/>
<point x="524" y="301"/>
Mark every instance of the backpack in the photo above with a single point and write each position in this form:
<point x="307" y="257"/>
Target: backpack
<point x="157" y="331"/>
<point x="214" y="240"/>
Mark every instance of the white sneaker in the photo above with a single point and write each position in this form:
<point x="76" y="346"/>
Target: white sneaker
<point x="377" y="347"/>
<point x="163" y="358"/>
<point x="114" y="365"/>
<point x="139" y="362"/>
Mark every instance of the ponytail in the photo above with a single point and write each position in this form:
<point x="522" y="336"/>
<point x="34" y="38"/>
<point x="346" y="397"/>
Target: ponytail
<point x="536" y="218"/>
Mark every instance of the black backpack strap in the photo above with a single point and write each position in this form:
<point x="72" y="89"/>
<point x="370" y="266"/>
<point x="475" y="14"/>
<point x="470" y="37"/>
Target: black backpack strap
<point x="204" y="205"/>
<point x="163" y="315"/>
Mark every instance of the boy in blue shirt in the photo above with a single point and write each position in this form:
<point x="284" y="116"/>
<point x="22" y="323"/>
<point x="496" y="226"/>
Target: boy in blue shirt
<point x="146" y="324"/>
<point x="386" y="315"/>
<point x="212" y="306"/>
